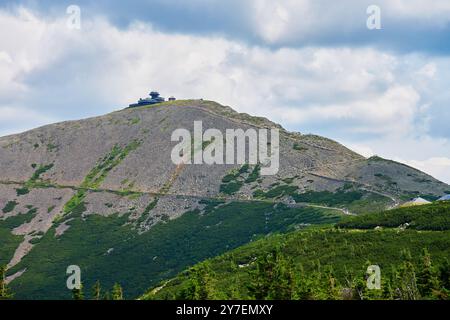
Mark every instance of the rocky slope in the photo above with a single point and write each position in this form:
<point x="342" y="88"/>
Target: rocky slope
<point x="119" y="165"/>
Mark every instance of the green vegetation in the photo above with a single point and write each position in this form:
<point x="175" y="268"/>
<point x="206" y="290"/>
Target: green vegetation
<point x="330" y="262"/>
<point x="9" y="241"/>
<point x="5" y="292"/>
<point x="328" y="198"/>
<point x="235" y="179"/>
<point x="117" y="292"/>
<point x="231" y="187"/>
<point x="298" y="147"/>
<point x="387" y="179"/>
<point x="10" y="205"/>
<point x="51" y="147"/>
<point x="254" y="175"/>
<point x="354" y="200"/>
<point x="135" y="120"/>
<point x="22" y="191"/>
<point x="75" y="201"/>
<point x="147" y="258"/>
<point x="39" y="171"/>
<point x="370" y="202"/>
<point x="277" y="192"/>
<point x="434" y="216"/>
<point x="320" y="264"/>
<point x="78" y="294"/>
<point x="288" y="180"/>
<point x="146" y="214"/>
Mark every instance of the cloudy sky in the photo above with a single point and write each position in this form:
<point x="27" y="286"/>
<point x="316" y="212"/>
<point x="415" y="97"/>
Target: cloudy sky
<point x="311" y="65"/>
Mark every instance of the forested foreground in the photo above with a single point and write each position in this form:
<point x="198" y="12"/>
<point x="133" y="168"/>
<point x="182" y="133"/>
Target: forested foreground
<point x="321" y="264"/>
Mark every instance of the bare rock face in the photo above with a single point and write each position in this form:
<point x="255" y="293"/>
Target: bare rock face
<point x="121" y="164"/>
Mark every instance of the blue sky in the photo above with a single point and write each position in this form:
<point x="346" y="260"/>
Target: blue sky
<point x="311" y="65"/>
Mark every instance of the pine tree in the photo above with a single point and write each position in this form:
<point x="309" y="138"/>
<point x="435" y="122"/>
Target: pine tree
<point x="5" y="292"/>
<point x="117" y="292"/>
<point x="77" y="294"/>
<point x="444" y="274"/>
<point x="427" y="277"/>
<point x="283" y="285"/>
<point x="444" y="279"/>
<point x="387" y="285"/>
<point x="201" y="283"/>
<point x="106" y="296"/>
<point x="96" y="291"/>
<point x="407" y="282"/>
<point x="360" y="288"/>
<point x="348" y="292"/>
<point x="303" y="287"/>
<point x="233" y="288"/>
<point x="274" y="277"/>
<point x="262" y="276"/>
<point x="332" y="289"/>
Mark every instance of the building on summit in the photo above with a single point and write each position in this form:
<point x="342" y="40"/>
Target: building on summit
<point x="153" y="99"/>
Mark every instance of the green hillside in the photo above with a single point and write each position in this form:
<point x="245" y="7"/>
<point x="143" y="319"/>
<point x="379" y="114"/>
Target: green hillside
<point x="330" y="262"/>
<point x="434" y="216"/>
<point x="110" y="250"/>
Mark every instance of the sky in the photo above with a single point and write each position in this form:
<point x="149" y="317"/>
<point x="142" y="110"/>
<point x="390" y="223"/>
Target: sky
<point x="311" y="65"/>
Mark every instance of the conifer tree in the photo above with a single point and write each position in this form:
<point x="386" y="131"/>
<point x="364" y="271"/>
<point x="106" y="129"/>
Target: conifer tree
<point x="387" y="285"/>
<point x="200" y="284"/>
<point x="234" y="292"/>
<point x="303" y="287"/>
<point x="332" y="289"/>
<point x="283" y="285"/>
<point x="262" y="276"/>
<point x="117" y="292"/>
<point x="274" y="277"/>
<point x="407" y="282"/>
<point x="96" y="291"/>
<point x="444" y="274"/>
<point x="77" y="294"/>
<point x="427" y="277"/>
<point x="106" y="295"/>
<point x="5" y="292"/>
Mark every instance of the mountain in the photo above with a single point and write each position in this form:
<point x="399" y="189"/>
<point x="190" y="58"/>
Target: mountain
<point x="103" y="193"/>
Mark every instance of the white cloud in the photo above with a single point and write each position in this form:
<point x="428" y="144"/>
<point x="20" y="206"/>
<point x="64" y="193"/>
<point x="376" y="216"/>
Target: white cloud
<point x="429" y="71"/>
<point x="57" y="73"/>
<point x="391" y="112"/>
<point x="296" y="21"/>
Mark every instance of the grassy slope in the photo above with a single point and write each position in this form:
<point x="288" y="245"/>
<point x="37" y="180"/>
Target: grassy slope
<point x="346" y="250"/>
<point x="160" y="253"/>
<point x="434" y="216"/>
